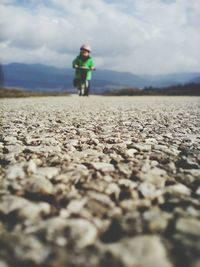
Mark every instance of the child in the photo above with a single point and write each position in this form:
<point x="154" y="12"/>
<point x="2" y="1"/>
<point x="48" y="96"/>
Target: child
<point x="84" y="65"/>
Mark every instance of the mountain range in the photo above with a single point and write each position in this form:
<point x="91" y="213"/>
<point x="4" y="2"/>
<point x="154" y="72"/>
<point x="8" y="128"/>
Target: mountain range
<point x="38" y="77"/>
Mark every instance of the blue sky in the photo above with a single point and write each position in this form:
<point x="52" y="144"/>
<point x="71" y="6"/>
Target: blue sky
<point x="138" y="36"/>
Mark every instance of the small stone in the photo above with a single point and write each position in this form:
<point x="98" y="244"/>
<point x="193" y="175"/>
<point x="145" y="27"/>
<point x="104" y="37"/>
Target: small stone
<point x="31" y="167"/>
<point x="35" y="251"/>
<point x="178" y="189"/>
<point x="126" y="183"/>
<point x="11" y="140"/>
<point x="172" y="166"/>
<point x="143" y="251"/>
<point x="15" y="171"/>
<point x="156" y="221"/>
<point x="101" y="198"/>
<point x="42" y="149"/>
<point x="95" y="141"/>
<point x="48" y="172"/>
<point x="83" y="232"/>
<point x="147" y="189"/>
<point x="197" y="263"/>
<point x="3" y="264"/>
<point x="61" y="241"/>
<point x="188" y="226"/>
<point x="39" y="185"/>
<point x="198" y="191"/>
<point x="10" y="203"/>
<point x="75" y="206"/>
<point x="71" y="142"/>
<point x="102" y="166"/>
<point x="77" y="231"/>
<point x="194" y="172"/>
<point x="155" y="176"/>
<point x="146" y="167"/>
<point x="15" y="149"/>
<point x="151" y="141"/>
<point x="124" y="168"/>
<point x="192" y="211"/>
<point x="142" y="147"/>
<point x="130" y="152"/>
<point x="107" y="178"/>
<point x="186" y="163"/>
<point x="23" y="208"/>
<point x="113" y="189"/>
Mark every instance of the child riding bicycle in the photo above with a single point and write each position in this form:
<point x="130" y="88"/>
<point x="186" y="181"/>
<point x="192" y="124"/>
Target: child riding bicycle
<point x="84" y="66"/>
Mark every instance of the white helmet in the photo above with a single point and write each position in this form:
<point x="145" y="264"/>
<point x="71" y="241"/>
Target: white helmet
<point x="86" y="47"/>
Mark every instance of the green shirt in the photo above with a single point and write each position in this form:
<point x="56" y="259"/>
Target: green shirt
<point x="83" y="63"/>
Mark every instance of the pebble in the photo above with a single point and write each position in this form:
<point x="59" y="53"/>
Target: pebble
<point x="48" y="172"/>
<point x="147" y="189"/>
<point x="75" y="206"/>
<point x="178" y="189"/>
<point x="15" y="171"/>
<point x="3" y="264"/>
<point x="23" y="208"/>
<point x="142" y="147"/>
<point x="188" y="226"/>
<point x="35" y="251"/>
<point x="101" y="166"/>
<point x="39" y="185"/>
<point x="31" y="167"/>
<point x="143" y="251"/>
<point x="130" y="152"/>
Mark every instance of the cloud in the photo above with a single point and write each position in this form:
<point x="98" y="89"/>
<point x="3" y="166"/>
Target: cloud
<point x="149" y="36"/>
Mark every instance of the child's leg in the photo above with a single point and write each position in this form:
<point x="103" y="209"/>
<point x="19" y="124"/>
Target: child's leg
<point x="87" y="89"/>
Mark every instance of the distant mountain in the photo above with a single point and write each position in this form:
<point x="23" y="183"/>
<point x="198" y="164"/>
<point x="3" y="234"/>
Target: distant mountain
<point x="196" y="79"/>
<point x="120" y="78"/>
<point x="38" y="77"/>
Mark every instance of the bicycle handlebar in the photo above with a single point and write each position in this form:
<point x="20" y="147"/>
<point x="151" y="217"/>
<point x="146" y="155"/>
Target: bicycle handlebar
<point x="84" y="68"/>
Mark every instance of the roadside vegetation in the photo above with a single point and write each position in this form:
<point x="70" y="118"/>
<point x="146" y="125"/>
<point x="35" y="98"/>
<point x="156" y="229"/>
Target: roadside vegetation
<point x="175" y="90"/>
<point x="15" y="93"/>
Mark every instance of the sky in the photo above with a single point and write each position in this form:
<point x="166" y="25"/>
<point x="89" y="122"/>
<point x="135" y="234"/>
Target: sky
<point x="137" y="36"/>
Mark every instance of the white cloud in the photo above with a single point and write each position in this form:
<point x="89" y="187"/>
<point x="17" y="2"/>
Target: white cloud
<point x="149" y="36"/>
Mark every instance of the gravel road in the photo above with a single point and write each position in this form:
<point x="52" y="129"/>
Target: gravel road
<point x="100" y="182"/>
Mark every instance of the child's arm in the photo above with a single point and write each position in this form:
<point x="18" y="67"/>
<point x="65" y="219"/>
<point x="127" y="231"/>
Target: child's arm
<point x="75" y="63"/>
<point x="92" y="66"/>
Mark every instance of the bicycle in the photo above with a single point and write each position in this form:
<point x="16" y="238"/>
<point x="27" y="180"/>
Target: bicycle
<point x="82" y="84"/>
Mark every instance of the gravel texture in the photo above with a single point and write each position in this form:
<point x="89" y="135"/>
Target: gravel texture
<point x="100" y="182"/>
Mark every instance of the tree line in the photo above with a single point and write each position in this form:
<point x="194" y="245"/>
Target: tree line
<point x="191" y="89"/>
